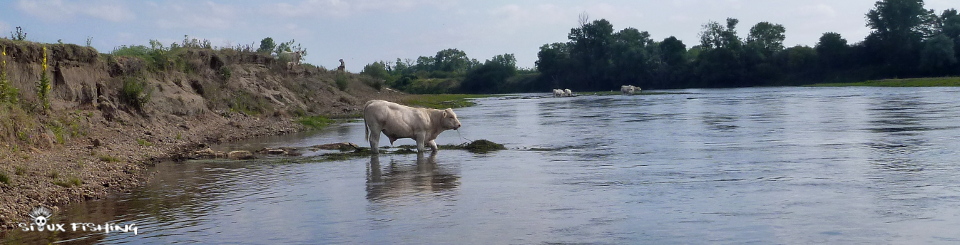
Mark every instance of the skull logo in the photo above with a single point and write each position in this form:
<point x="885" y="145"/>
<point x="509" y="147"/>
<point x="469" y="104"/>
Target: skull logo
<point x="40" y="215"/>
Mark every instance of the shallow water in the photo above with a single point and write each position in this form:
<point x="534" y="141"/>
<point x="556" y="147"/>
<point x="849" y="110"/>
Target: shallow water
<point x="754" y="165"/>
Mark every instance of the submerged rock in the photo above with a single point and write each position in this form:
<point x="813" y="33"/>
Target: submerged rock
<point x="240" y="155"/>
<point x="343" y="146"/>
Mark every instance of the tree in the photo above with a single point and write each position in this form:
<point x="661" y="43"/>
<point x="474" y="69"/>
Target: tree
<point x="720" y="62"/>
<point x="938" y="55"/>
<point x="491" y="76"/>
<point x="452" y="60"/>
<point x="899" y="27"/>
<point x="266" y="46"/>
<point x="767" y="37"/>
<point x="715" y="35"/>
<point x="590" y="52"/>
<point x="950" y="27"/>
<point x="553" y="63"/>
<point x="673" y="55"/>
<point x="378" y="70"/>
<point x="833" y="51"/>
<point x="631" y="61"/>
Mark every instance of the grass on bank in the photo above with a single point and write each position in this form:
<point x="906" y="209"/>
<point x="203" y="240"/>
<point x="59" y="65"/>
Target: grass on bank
<point x="442" y="101"/>
<point x="315" y="122"/>
<point x="906" y="82"/>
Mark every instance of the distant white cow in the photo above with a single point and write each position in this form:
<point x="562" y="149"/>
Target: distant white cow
<point x="293" y="58"/>
<point x="629" y="89"/>
<point x="400" y="121"/>
<point x="557" y="92"/>
<point x="567" y="93"/>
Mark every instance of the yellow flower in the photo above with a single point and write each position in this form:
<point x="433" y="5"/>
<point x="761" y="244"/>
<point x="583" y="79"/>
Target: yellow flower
<point x="44" y="63"/>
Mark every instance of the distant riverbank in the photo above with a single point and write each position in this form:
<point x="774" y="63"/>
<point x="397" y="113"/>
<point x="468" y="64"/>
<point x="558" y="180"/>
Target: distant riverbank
<point x="907" y="82"/>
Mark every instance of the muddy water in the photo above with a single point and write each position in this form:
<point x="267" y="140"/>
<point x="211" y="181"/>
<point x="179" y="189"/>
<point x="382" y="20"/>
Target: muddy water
<point x="759" y="165"/>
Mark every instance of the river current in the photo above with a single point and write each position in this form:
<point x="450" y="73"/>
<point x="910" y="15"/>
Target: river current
<point x="786" y="165"/>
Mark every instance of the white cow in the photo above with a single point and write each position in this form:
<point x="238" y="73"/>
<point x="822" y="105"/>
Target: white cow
<point x="400" y="121"/>
<point x="567" y="93"/>
<point x="557" y="93"/>
<point x="629" y="89"/>
<point x="293" y="58"/>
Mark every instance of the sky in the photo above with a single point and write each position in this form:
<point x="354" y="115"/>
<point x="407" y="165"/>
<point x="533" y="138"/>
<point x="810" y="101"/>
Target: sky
<point x="365" y="31"/>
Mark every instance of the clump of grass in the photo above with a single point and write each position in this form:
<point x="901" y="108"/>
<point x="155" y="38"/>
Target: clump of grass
<point x="53" y="175"/>
<point x="143" y="142"/>
<point x="20" y="170"/>
<point x="442" y="101"/>
<point x="315" y="122"/>
<point x="72" y="181"/>
<point x="108" y="158"/>
<point x="4" y="178"/>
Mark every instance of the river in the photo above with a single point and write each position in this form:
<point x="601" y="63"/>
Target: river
<point x="786" y="165"/>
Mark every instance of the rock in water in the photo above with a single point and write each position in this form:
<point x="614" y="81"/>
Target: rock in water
<point x="240" y="155"/>
<point x="483" y="146"/>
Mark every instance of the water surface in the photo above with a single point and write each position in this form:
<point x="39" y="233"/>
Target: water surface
<point x="754" y="165"/>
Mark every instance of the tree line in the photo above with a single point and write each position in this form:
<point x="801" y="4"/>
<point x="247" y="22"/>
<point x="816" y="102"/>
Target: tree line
<point x="906" y="40"/>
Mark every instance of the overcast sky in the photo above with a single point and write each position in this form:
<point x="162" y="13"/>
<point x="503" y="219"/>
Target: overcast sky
<point x="364" y="31"/>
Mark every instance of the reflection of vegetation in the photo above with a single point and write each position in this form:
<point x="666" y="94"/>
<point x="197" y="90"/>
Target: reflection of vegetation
<point x="910" y="82"/>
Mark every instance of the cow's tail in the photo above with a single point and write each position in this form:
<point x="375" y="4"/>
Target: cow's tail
<point x="366" y="125"/>
<point x="366" y="131"/>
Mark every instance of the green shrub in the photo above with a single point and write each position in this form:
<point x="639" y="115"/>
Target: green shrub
<point x="4" y="178"/>
<point x="135" y="92"/>
<point x="20" y="170"/>
<point x="342" y="82"/>
<point x="225" y="73"/>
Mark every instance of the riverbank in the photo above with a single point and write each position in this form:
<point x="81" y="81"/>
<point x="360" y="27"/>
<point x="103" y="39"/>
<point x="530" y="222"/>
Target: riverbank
<point x="907" y="82"/>
<point x="100" y="120"/>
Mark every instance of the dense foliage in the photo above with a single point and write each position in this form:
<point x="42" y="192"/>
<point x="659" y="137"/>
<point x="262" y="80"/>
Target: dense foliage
<point x="906" y="41"/>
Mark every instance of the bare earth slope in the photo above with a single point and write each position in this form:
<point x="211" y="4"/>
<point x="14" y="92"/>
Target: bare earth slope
<point x="93" y="140"/>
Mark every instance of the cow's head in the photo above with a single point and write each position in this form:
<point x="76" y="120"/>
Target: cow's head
<point x="450" y="120"/>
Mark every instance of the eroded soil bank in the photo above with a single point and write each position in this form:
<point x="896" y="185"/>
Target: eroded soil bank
<point x="110" y="117"/>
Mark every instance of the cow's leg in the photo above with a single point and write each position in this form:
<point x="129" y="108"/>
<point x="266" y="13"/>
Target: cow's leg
<point x="420" y="138"/>
<point x="433" y="145"/>
<point x="373" y="135"/>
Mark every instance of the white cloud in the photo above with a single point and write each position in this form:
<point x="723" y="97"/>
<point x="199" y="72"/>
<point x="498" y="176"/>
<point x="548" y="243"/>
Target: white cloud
<point x="339" y="8"/>
<point x="207" y="15"/>
<point x="59" y="10"/>
<point x="819" y="10"/>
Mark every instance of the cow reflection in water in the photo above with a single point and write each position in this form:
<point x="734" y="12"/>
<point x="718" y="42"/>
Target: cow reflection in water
<point x="399" y="178"/>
